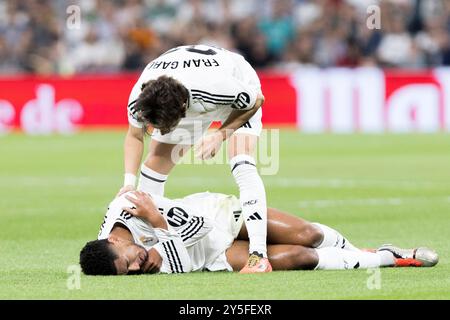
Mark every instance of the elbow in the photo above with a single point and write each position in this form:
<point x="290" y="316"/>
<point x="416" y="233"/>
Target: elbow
<point x="135" y="134"/>
<point x="260" y="99"/>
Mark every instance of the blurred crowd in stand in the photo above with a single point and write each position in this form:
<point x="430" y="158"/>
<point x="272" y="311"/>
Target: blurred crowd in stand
<point x="49" y="37"/>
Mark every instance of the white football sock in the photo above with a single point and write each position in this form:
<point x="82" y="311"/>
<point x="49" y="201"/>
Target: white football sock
<point x="151" y="181"/>
<point x="387" y="258"/>
<point x="338" y="259"/>
<point x="253" y="201"/>
<point x="332" y="238"/>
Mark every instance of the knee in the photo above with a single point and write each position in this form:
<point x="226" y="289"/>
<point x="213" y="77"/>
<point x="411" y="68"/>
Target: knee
<point x="303" y="258"/>
<point x="310" y="236"/>
<point x="241" y="144"/>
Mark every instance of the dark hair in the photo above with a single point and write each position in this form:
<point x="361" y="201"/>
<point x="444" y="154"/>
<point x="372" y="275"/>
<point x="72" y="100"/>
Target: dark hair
<point x="97" y="258"/>
<point x="162" y="103"/>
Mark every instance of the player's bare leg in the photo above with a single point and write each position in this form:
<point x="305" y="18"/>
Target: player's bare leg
<point x="285" y="228"/>
<point x="253" y="200"/>
<point x="162" y="157"/>
<point x="282" y="257"/>
<point x="296" y="257"/>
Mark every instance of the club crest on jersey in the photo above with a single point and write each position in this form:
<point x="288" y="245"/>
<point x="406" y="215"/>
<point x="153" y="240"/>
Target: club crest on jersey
<point x="148" y="241"/>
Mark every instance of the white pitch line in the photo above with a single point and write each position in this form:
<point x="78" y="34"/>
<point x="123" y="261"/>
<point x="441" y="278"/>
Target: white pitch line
<point x="323" y="203"/>
<point x="349" y="202"/>
<point x="30" y="181"/>
<point x="279" y="182"/>
<point x="51" y="211"/>
<point x="282" y="182"/>
<point x="353" y="183"/>
<point x="334" y="183"/>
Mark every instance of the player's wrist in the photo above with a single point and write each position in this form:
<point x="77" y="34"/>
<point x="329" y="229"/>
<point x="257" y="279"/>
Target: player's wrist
<point x="129" y="180"/>
<point x="224" y="133"/>
<point x="156" y="220"/>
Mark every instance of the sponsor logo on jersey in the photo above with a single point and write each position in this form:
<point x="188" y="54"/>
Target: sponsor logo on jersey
<point x="177" y="217"/>
<point x="242" y="101"/>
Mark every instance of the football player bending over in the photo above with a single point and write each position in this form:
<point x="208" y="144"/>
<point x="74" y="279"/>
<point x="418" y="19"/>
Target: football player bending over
<point x="179" y="95"/>
<point x="205" y="231"/>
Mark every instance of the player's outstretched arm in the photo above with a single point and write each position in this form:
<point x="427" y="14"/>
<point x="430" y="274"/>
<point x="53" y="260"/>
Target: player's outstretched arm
<point x="238" y="117"/>
<point x="133" y="150"/>
<point x="210" y="145"/>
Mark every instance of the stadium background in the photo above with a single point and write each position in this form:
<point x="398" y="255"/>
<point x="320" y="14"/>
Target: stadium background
<point x="66" y="69"/>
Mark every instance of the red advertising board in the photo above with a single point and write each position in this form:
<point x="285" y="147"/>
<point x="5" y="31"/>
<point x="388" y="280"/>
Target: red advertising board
<point x="55" y="104"/>
<point x="314" y="100"/>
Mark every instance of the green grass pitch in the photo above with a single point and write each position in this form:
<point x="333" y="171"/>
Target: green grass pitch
<point x="373" y="188"/>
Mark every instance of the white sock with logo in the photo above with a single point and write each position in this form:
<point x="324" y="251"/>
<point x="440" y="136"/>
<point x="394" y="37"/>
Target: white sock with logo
<point x="339" y="259"/>
<point x="332" y="238"/>
<point x="151" y="181"/>
<point x="253" y="201"/>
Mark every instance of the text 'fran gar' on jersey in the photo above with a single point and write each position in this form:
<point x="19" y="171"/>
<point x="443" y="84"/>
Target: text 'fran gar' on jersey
<point x="215" y="78"/>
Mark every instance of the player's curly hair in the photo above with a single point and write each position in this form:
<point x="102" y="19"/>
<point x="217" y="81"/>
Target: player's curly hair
<point x="162" y="103"/>
<point x="97" y="258"/>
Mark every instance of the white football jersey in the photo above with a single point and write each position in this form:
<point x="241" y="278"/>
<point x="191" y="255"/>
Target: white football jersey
<point x="226" y="213"/>
<point x="215" y="78"/>
<point x="185" y="229"/>
<point x="201" y="227"/>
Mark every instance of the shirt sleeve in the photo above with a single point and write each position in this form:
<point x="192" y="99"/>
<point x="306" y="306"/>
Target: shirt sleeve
<point x="226" y="89"/>
<point x="246" y="82"/>
<point x="175" y="258"/>
<point x="114" y="215"/>
<point x="195" y="230"/>
<point x="131" y="110"/>
<point x="188" y="223"/>
<point x="245" y="94"/>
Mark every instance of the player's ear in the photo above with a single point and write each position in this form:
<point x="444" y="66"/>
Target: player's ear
<point x="113" y="239"/>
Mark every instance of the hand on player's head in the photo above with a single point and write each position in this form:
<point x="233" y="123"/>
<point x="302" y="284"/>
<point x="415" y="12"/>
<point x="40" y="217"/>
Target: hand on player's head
<point x="143" y="204"/>
<point x="125" y="189"/>
<point x="145" y="208"/>
<point x="154" y="261"/>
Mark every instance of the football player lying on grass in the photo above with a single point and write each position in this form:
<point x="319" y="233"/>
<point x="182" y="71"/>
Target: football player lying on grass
<point x="205" y="231"/>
